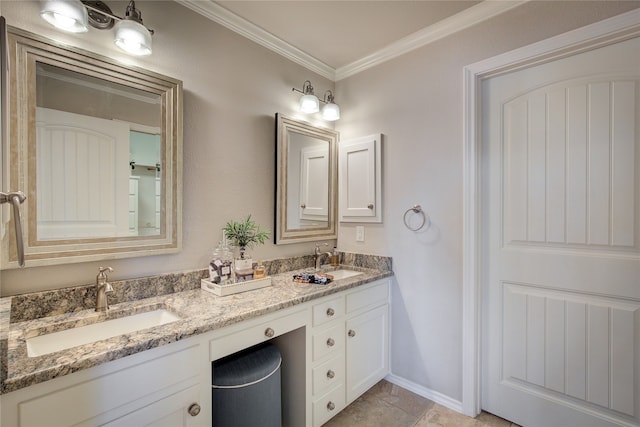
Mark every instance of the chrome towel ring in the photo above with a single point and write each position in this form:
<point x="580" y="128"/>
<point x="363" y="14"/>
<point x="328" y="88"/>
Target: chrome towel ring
<point x="416" y="209"/>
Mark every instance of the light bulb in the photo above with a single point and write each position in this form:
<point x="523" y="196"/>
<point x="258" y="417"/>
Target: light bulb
<point x="66" y="15"/>
<point x="309" y="104"/>
<point x="331" y="112"/>
<point x="132" y="37"/>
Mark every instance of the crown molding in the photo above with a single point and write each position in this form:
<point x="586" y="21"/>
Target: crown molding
<point x="235" y="23"/>
<point x="465" y="19"/>
<point x="468" y="17"/>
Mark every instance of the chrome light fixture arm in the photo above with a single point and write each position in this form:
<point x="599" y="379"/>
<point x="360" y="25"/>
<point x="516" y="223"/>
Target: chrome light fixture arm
<point x="99" y="8"/>
<point x="16" y="198"/>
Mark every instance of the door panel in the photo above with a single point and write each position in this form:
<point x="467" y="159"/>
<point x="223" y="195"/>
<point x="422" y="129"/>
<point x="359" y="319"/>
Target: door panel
<point x="89" y="196"/>
<point x="561" y="239"/>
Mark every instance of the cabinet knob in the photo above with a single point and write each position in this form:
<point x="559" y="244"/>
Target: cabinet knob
<point x="330" y="374"/>
<point x="331" y="406"/>
<point x="330" y="312"/>
<point x="370" y="205"/>
<point x="269" y="333"/>
<point x="303" y="206"/>
<point x="194" y="409"/>
<point x="351" y="333"/>
<point x="330" y="342"/>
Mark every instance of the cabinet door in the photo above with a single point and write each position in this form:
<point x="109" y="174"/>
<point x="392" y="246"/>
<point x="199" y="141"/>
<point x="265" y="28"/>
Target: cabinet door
<point x="314" y="184"/>
<point x="360" y="179"/>
<point x="367" y="351"/>
<point x="177" y="410"/>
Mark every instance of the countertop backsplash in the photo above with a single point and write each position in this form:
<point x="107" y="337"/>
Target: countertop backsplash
<point x="73" y="299"/>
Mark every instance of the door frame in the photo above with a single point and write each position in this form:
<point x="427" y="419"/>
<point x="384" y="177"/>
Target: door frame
<point x="602" y="33"/>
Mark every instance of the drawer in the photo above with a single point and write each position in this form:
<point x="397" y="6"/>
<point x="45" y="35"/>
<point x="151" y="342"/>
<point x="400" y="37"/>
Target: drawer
<point x="326" y="311"/>
<point x="328" y="341"/>
<point x="375" y="295"/>
<point x="328" y="405"/>
<point x="240" y="336"/>
<point x="327" y="375"/>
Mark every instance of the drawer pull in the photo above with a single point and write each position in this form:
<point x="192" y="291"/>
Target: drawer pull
<point x="330" y="374"/>
<point x="330" y="342"/>
<point x="330" y="312"/>
<point x="331" y="406"/>
<point x="194" y="409"/>
<point x="269" y="333"/>
<point x="351" y="333"/>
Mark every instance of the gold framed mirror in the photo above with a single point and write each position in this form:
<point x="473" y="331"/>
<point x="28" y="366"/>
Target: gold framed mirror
<point x="306" y="181"/>
<point x="97" y="148"/>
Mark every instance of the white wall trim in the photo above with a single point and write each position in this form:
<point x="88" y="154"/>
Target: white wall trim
<point x="608" y="31"/>
<point x="235" y="23"/>
<point x="468" y="17"/>
<point x="425" y="392"/>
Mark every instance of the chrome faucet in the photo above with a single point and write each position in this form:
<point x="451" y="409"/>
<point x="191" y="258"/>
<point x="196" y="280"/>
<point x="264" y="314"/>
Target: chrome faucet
<point x="317" y="255"/>
<point x="103" y="288"/>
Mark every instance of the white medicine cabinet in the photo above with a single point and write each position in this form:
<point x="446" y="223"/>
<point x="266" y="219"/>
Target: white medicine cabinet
<point x="360" y="179"/>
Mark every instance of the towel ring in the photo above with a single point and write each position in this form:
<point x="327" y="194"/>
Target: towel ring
<point x="416" y="209"/>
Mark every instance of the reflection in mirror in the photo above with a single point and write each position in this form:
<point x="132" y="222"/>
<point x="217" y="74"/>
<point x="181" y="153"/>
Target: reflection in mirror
<point x="96" y="129"/>
<point x="97" y="148"/>
<point x="306" y="181"/>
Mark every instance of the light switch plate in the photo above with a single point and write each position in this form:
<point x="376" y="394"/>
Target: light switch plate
<point x="360" y="233"/>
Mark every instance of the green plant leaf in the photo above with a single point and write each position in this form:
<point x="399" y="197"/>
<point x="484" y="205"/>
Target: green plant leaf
<point x="245" y="233"/>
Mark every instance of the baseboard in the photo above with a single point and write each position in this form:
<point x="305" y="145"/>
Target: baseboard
<point x="427" y="393"/>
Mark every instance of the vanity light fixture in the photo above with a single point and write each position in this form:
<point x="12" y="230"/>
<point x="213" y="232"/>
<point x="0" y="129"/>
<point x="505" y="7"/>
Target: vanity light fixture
<point x="309" y="103"/>
<point x="75" y="15"/>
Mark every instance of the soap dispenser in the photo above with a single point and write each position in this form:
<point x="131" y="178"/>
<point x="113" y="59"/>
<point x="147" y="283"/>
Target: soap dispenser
<point x="335" y="257"/>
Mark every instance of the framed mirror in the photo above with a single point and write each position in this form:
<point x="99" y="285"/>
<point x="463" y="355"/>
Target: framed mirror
<point x="97" y="148"/>
<point x="306" y="181"/>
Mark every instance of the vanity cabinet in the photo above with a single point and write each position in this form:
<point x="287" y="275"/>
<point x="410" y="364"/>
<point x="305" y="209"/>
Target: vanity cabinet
<point x="350" y="347"/>
<point x="324" y="368"/>
<point x="360" y="179"/>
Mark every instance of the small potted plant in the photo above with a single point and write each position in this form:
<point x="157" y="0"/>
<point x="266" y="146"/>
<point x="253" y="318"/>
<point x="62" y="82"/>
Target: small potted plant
<point x="243" y="235"/>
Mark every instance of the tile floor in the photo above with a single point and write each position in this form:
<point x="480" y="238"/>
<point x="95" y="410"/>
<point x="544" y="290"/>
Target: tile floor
<point x="387" y="405"/>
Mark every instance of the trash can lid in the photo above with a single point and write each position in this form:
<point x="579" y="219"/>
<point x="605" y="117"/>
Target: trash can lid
<point x="247" y="366"/>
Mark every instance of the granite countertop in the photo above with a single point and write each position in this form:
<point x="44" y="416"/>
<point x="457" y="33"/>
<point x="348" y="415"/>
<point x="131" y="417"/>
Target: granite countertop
<point x="200" y="311"/>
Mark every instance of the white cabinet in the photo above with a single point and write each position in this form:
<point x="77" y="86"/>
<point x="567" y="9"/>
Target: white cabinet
<point x="360" y="179"/>
<point x="350" y="347"/>
<point x="367" y="350"/>
<point x="148" y="388"/>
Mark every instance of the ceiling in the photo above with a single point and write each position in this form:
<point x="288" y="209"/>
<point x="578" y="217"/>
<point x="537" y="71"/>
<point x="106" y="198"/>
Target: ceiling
<point x="337" y="39"/>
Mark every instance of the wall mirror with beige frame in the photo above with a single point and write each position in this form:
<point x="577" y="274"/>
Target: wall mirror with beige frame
<point x="306" y="181"/>
<point x="96" y="146"/>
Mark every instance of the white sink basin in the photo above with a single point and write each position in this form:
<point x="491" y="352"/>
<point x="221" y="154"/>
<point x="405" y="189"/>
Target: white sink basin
<point x="343" y="274"/>
<point x="61" y="340"/>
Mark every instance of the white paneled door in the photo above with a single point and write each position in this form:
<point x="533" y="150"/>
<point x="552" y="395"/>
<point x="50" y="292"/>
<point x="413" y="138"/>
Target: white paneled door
<point x="561" y="241"/>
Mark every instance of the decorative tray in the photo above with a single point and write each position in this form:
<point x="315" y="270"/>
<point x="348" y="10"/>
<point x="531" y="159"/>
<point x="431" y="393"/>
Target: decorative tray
<point x="234" y="288"/>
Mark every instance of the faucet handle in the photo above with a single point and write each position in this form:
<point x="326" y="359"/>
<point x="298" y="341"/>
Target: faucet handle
<point x="317" y="250"/>
<point x="102" y="274"/>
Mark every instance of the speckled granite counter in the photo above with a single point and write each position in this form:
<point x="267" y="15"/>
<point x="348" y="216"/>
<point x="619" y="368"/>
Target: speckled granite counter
<point x="200" y="312"/>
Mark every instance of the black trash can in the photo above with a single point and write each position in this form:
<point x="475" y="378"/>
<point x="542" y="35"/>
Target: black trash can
<point x="246" y="388"/>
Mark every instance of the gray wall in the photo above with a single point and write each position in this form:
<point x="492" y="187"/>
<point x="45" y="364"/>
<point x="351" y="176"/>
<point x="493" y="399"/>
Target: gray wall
<point x="416" y="101"/>
<point x="232" y="90"/>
